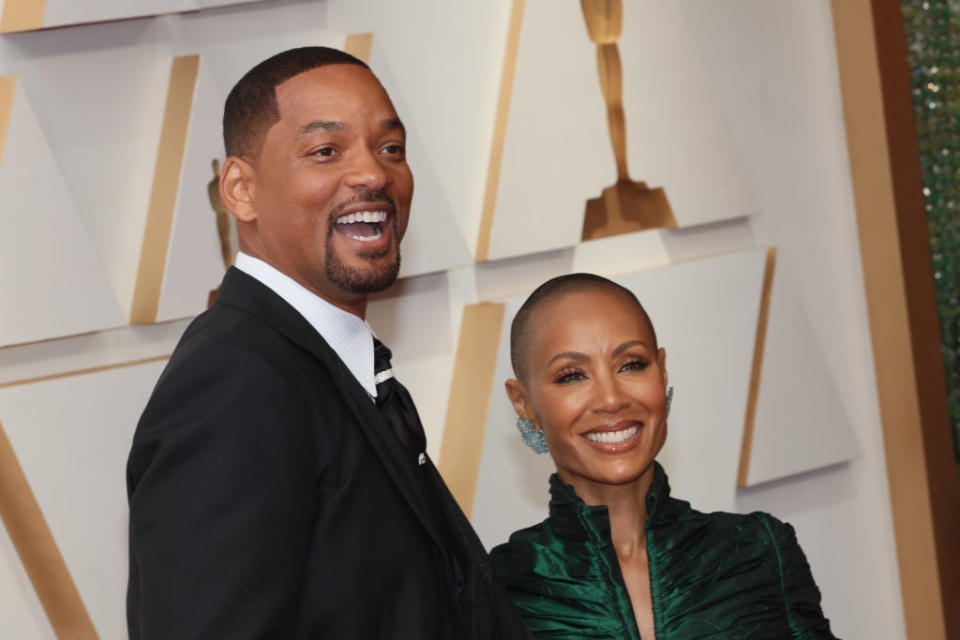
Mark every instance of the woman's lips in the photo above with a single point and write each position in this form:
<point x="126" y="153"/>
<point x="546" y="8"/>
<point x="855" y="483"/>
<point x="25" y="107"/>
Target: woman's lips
<point x="617" y="437"/>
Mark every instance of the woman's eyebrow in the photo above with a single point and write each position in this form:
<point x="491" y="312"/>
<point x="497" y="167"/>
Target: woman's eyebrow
<point x="626" y="345"/>
<point x="572" y="355"/>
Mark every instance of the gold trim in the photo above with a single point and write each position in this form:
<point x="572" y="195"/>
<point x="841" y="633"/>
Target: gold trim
<point x="500" y="130"/>
<point x="756" y="371"/>
<point x="470" y="392"/>
<point x="359" y="45"/>
<point x="166" y="187"/>
<point x="22" y="15"/>
<point x="8" y="89"/>
<point x="901" y="305"/>
<point x="38" y="550"/>
<point x="82" y="372"/>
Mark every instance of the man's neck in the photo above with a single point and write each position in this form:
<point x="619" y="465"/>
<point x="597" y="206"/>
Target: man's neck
<point x="351" y="303"/>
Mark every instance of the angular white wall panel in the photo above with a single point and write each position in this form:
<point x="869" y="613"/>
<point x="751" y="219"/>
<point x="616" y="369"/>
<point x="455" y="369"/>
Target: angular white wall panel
<point x="705" y="314"/>
<point x="80" y="428"/>
<point x="106" y="146"/>
<point x="51" y="280"/>
<point x="800" y="423"/>
<point x="37" y="14"/>
<point x="557" y="152"/>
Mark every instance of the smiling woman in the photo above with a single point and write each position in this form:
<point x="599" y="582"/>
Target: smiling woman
<point x="618" y="557"/>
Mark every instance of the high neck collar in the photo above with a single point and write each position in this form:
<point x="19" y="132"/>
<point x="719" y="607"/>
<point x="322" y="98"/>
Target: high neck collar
<point x="567" y="509"/>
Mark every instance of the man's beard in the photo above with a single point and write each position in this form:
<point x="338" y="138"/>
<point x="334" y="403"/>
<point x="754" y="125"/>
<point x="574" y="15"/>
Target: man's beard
<point x="375" y="277"/>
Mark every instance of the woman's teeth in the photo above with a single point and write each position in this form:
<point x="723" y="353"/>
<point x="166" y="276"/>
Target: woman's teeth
<point x="613" y="437"/>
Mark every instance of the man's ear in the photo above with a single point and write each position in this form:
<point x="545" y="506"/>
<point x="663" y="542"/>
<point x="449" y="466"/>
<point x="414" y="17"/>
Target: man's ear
<point x="518" y="398"/>
<point x="237" y="188"/>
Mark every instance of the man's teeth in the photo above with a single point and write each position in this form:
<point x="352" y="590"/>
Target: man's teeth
<point x="363" y="216"/>
<point x="613" y="437"/>
<point x="376" y="236"/>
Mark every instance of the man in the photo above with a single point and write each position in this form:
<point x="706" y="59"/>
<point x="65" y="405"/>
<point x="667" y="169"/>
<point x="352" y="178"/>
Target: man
<point x="278" y="482"/>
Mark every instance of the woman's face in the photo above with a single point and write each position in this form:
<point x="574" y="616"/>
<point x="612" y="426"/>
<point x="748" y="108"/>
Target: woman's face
<point x="596" y="387"/>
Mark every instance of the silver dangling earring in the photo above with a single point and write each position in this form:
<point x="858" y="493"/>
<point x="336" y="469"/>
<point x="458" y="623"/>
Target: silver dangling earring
<point x="669" y="399"/>
<point x="532" y="437"/>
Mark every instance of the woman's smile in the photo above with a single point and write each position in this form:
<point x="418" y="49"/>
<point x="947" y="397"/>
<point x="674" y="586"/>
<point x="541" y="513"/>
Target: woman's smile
<point x="622" y="436"/>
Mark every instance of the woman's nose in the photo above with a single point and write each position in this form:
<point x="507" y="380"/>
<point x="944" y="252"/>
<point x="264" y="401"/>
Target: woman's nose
<point x="610" y="396"/>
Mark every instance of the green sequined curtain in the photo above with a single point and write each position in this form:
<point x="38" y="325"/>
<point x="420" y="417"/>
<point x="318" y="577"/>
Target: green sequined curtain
<point x="933" y="49"/>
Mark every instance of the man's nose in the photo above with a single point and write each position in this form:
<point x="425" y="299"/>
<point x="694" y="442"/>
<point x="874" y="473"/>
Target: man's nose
<point x="366" y="170"/>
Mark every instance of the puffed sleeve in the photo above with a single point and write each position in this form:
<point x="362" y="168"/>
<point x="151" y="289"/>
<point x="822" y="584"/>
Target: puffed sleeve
<point x="221" y="482"/>
<point x="801" y="597"/>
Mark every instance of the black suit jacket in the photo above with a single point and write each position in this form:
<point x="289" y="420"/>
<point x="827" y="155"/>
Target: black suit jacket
<point x="268" y="499"/>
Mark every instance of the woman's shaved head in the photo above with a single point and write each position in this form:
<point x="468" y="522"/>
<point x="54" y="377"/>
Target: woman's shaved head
<point x="525" y="322"/>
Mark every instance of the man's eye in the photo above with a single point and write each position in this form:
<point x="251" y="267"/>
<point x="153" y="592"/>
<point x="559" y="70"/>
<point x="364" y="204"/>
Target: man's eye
<point x="324" y="152"/>
<point x="394" y="149"/>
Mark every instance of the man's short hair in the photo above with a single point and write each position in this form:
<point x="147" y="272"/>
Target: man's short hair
<point x="251" y="108"/>
<point x="521" y="328"/>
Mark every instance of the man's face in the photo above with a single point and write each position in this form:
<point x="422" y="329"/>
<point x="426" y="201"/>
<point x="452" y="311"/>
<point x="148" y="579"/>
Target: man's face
<point x="332" y="187"/>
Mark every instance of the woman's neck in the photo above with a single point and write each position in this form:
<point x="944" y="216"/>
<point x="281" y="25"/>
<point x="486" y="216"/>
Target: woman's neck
<point x="626" y="505"/>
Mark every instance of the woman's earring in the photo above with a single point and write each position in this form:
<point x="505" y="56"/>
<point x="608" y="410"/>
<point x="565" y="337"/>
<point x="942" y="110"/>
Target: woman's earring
<point x="669" y="399"/>
<point x="532" y="437"/>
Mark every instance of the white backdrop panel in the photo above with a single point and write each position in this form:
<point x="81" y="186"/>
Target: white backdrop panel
<point x="72" y="436"/>
<point x="66" y="12"/>
<point x="705" y="313"/>
<point x="801" y="423"/>
<point x="51" y="280"/>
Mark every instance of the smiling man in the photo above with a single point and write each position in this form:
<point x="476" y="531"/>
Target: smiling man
<point x="278" y="481"/>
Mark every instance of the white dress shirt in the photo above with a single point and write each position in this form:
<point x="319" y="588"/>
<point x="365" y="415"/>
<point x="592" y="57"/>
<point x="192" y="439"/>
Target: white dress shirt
<point x="348" y="335"/>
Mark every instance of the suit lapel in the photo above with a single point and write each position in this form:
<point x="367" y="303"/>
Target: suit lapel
<point x="242" y="291"/>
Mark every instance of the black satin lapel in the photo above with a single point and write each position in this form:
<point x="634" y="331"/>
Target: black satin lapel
<point x="385" y="444"/>
<point x="245" y="292"/>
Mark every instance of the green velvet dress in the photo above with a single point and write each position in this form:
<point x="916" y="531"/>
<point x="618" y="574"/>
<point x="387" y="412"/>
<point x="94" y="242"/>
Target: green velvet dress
<point x="712" y="575"/>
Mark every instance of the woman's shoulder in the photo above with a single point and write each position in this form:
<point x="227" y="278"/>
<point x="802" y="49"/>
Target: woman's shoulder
<point x="759" y="526"/>
<point x="523" y="546"/>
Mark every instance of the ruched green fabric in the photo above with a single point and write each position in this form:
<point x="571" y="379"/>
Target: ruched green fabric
<point x="712" y="575"/>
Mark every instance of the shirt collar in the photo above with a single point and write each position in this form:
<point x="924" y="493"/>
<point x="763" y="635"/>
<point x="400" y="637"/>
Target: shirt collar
<point x="348" y="335"/>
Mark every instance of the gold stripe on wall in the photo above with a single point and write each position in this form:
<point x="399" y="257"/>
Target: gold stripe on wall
<point x="470" y="390"/>
<point x="359" y="45"/>
<point x="500" y="130"/>
<point x="38" y="550"/>
<point x="83" y="372"/>
<point x="901" y="304"/>
<point x="166" y="187"/>
<point x="756" y="371"/>
<point x="8" y="88"/>
<point x="22" y="15"/>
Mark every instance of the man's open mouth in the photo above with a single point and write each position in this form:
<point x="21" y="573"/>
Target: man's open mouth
<point x="365" y="226"/>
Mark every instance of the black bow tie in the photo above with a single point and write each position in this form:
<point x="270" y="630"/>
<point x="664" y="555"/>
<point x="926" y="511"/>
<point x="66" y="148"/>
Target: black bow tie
<point x="396" y="406"/>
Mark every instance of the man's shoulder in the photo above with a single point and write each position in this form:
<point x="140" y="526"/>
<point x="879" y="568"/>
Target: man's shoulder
<point x="224" y="343"/>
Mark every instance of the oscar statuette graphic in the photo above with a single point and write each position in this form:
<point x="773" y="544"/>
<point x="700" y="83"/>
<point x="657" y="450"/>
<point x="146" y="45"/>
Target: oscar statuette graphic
<point x="626" y="205"/>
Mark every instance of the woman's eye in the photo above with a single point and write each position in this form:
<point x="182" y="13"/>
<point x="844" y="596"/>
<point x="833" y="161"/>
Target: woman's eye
<point x="566" y="377"/>
<point x="635" y="365"/>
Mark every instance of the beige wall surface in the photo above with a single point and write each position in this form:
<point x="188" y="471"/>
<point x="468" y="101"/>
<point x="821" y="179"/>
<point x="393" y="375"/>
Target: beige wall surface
<point x="769" y="71"/>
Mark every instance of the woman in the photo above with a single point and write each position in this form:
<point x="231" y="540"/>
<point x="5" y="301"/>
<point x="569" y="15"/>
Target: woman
<point x="618" y="557"/>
